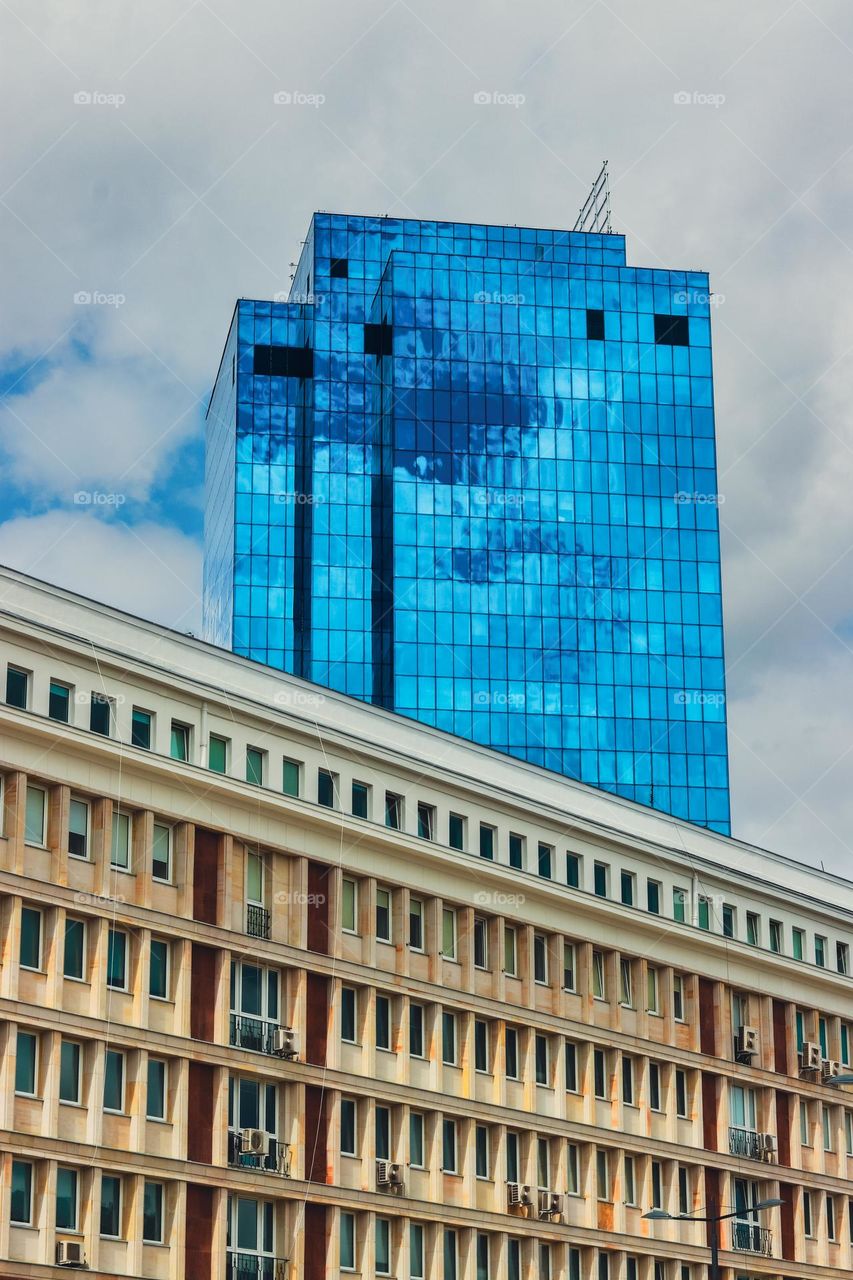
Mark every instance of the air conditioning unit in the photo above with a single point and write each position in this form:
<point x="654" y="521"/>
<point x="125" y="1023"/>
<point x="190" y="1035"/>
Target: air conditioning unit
<point x="830" y="1069"/>
<point x="253" y="1142"/>
<point x="747" y="1041"/>
<point x="69" y="1253"/>
<point x="810" y="1056"/>
<point x="285" y="1042"/>
<point x="550" y="1204"/>
<point x="769" y="1146"/>
<point x="388" y="1174"/>
<point x="517" y="1195"/>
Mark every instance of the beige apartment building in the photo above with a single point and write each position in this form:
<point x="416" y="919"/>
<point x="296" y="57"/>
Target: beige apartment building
<point x="292" y="988"/>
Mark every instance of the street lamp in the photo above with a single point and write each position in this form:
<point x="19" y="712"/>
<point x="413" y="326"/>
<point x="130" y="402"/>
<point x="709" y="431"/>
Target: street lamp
<point x="659" y="1215"/>
<point x="835" y="1081"/>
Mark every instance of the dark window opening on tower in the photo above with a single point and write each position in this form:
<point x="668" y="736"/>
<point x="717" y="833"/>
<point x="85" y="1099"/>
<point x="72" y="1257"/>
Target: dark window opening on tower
<point x="284" y="362"/>
<point x="377" y="339"/>
<point x="673" y="331"/>
<point x="595" y="326"/>
<point x="339" y="269"/>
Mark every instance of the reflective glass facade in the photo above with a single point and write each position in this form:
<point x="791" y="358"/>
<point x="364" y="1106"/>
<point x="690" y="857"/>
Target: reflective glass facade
<point x="468" y="473"/>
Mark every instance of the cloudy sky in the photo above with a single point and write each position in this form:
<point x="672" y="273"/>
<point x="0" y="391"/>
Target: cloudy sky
<point x="148" y="170"/>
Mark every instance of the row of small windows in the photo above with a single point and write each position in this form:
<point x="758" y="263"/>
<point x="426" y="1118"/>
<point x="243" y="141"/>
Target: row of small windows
<point x="711" y="913"/>
<point x="113" y="1216"/>
<point x="77" y="954"/>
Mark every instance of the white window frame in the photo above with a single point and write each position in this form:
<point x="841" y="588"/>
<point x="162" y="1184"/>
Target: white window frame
<point x="41" y="843"/>
<point x="163" y="826"/>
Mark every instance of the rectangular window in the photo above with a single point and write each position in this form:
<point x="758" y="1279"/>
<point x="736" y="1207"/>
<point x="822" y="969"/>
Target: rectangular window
<point x="481" y="1045"/>
<point x="679" y="905"/>
<point x="59" y="701"/>
<point x="448" y="933"/>
<point x="74" y="958"/>
<point x="456" y="831"/>
<point x="599" y="1073"/>
<point x="540" y="959"/>
<point x="217" y="754"/>
<point x="653" y="897"/>
<point x="543" y="1163"/>
<point x="573" y="871"/>
<point x="568" y="966"/>
<point x="416" y="1030"/>
<point x="393" y="811"/>
<point x="416" y="924"/>
<point x="704" y="913"/>
<point x="179" y="741"/>
<point x="348" y="1015"/>
<point x="602" y="1174"/>
<point x="728" y="920"/>
<point x="826" y="1116"/>
<point x="35" y="816"/>
<point x="100" y="714"/>
<point x="416" y="1139"/>
<point x="383" y="1246"/>
<point x="382" y="1127"/>
<point x="544" y="854"/>
<point x="678" y="997"/>
<point x="516" y="851"/>
<point x="511" y="1053"/>
<point x="152" y="1213"/>
<point x="657" y="1185"/>
<point x="653" y="995"/>
<point x="777" y="936"/>
<point x="510" y="951"/>
<point x="22" y="1193"/>
<point x="161" y="852"/>
<point x="326" y="789"/>
<point x="29" y="955"/>
<point x="598" y="984"/>
<point x="600" y="878"/>
<point x="628" y="1081"/>
<point x="820" y="951"/>
<point x="512" y="1160"/>
<point x="681" y="1094"/>
<point x="630" y="1181"/>
<point x="416" y="1251"/>
<point x="573" y="1169"/>
<point x="753" y="929"/>
<point x="830" y="1217"/>
<point x="349" y="906"/>
<point x="683" y="1190"/>
<point x="481" y="1151"/>
<point x="798" y="943"/>
<point x="348" y="1127"/>
<point x="626" y="888"/>
<point x="26" y="1055"/>
<point x="383" y="915"/>
<point x="17" y="687"/>
<point x="347" y="1241"/>
<point x="155" y="1102"/>
<point x="110" y="1206"/>
<point x="426" y="821"/>
<point x="78" y="828"/>
<point x="487" y="841"/>
<point x="158" y="973"/>
<point x="291" y="771"/>
<point x="255" y="766"/>
<point x="481" y="943"/>
<point x="654" y="1086"/>
<point x="69" y="1072"/>
<point x="540" y="1054"/>
<point x="807" y="1214"/>
<point x="571" y="1055"/>
<point x="383" y="1022"/>
<point x="120" y="848"/>
<point x="66" y="1199"/>
<point x="626" y="984"/>
<point x="842" y="957"/>
<point x="848" y="1132"/>
<point x="448" y="1159"/>
<point x="140" y="728"/>
<point x="450" y="1256"/>
<point x="513" y="1248"/>
<point x="114" y="1081"/>
<point x="117" y="960"/>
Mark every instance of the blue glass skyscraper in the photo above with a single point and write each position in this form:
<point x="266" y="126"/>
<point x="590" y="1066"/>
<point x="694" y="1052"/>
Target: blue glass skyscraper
<point x="468" y="473"/>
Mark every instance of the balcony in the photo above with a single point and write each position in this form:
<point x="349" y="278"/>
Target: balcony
<point x="254" y="1266"/>
<point x="276" y="1159"/>
<point x="257" y="921"/>
<point x="746" y="1143"/>
<point x="748" y="1237"/>
<point x="256" y="1034"/>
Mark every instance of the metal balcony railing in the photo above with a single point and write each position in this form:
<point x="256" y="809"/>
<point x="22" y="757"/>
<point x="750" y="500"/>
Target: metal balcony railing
<point x="748" y="1237"/>
<point x="254" y="1266"/>
<point x="276" y="1159"/>
<point x="745" y="1142"/>
<point x="257" y="921"/>
<point x="257" y="1034"/>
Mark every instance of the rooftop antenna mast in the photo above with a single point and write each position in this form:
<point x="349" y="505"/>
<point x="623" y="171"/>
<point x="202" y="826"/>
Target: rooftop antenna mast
<point x="594" y="215"/>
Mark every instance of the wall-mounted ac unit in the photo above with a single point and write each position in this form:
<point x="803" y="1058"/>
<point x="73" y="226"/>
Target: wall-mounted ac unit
<point x="747" y="1041"/>
<point x="388" y="1174"/>
<point x="253" y="1142"/>
<point x="830" y="1069"/>
<point x="517" y="1195"/>
<point x="285" y="1042"/>
<point x="69" y="1253"/>
<point x="769" y="1145"/>
<point x="810" y="1056"/>
<point x="550" y="1204"/>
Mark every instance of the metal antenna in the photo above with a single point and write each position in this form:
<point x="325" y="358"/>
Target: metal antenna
<point x="594" y="215"/>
